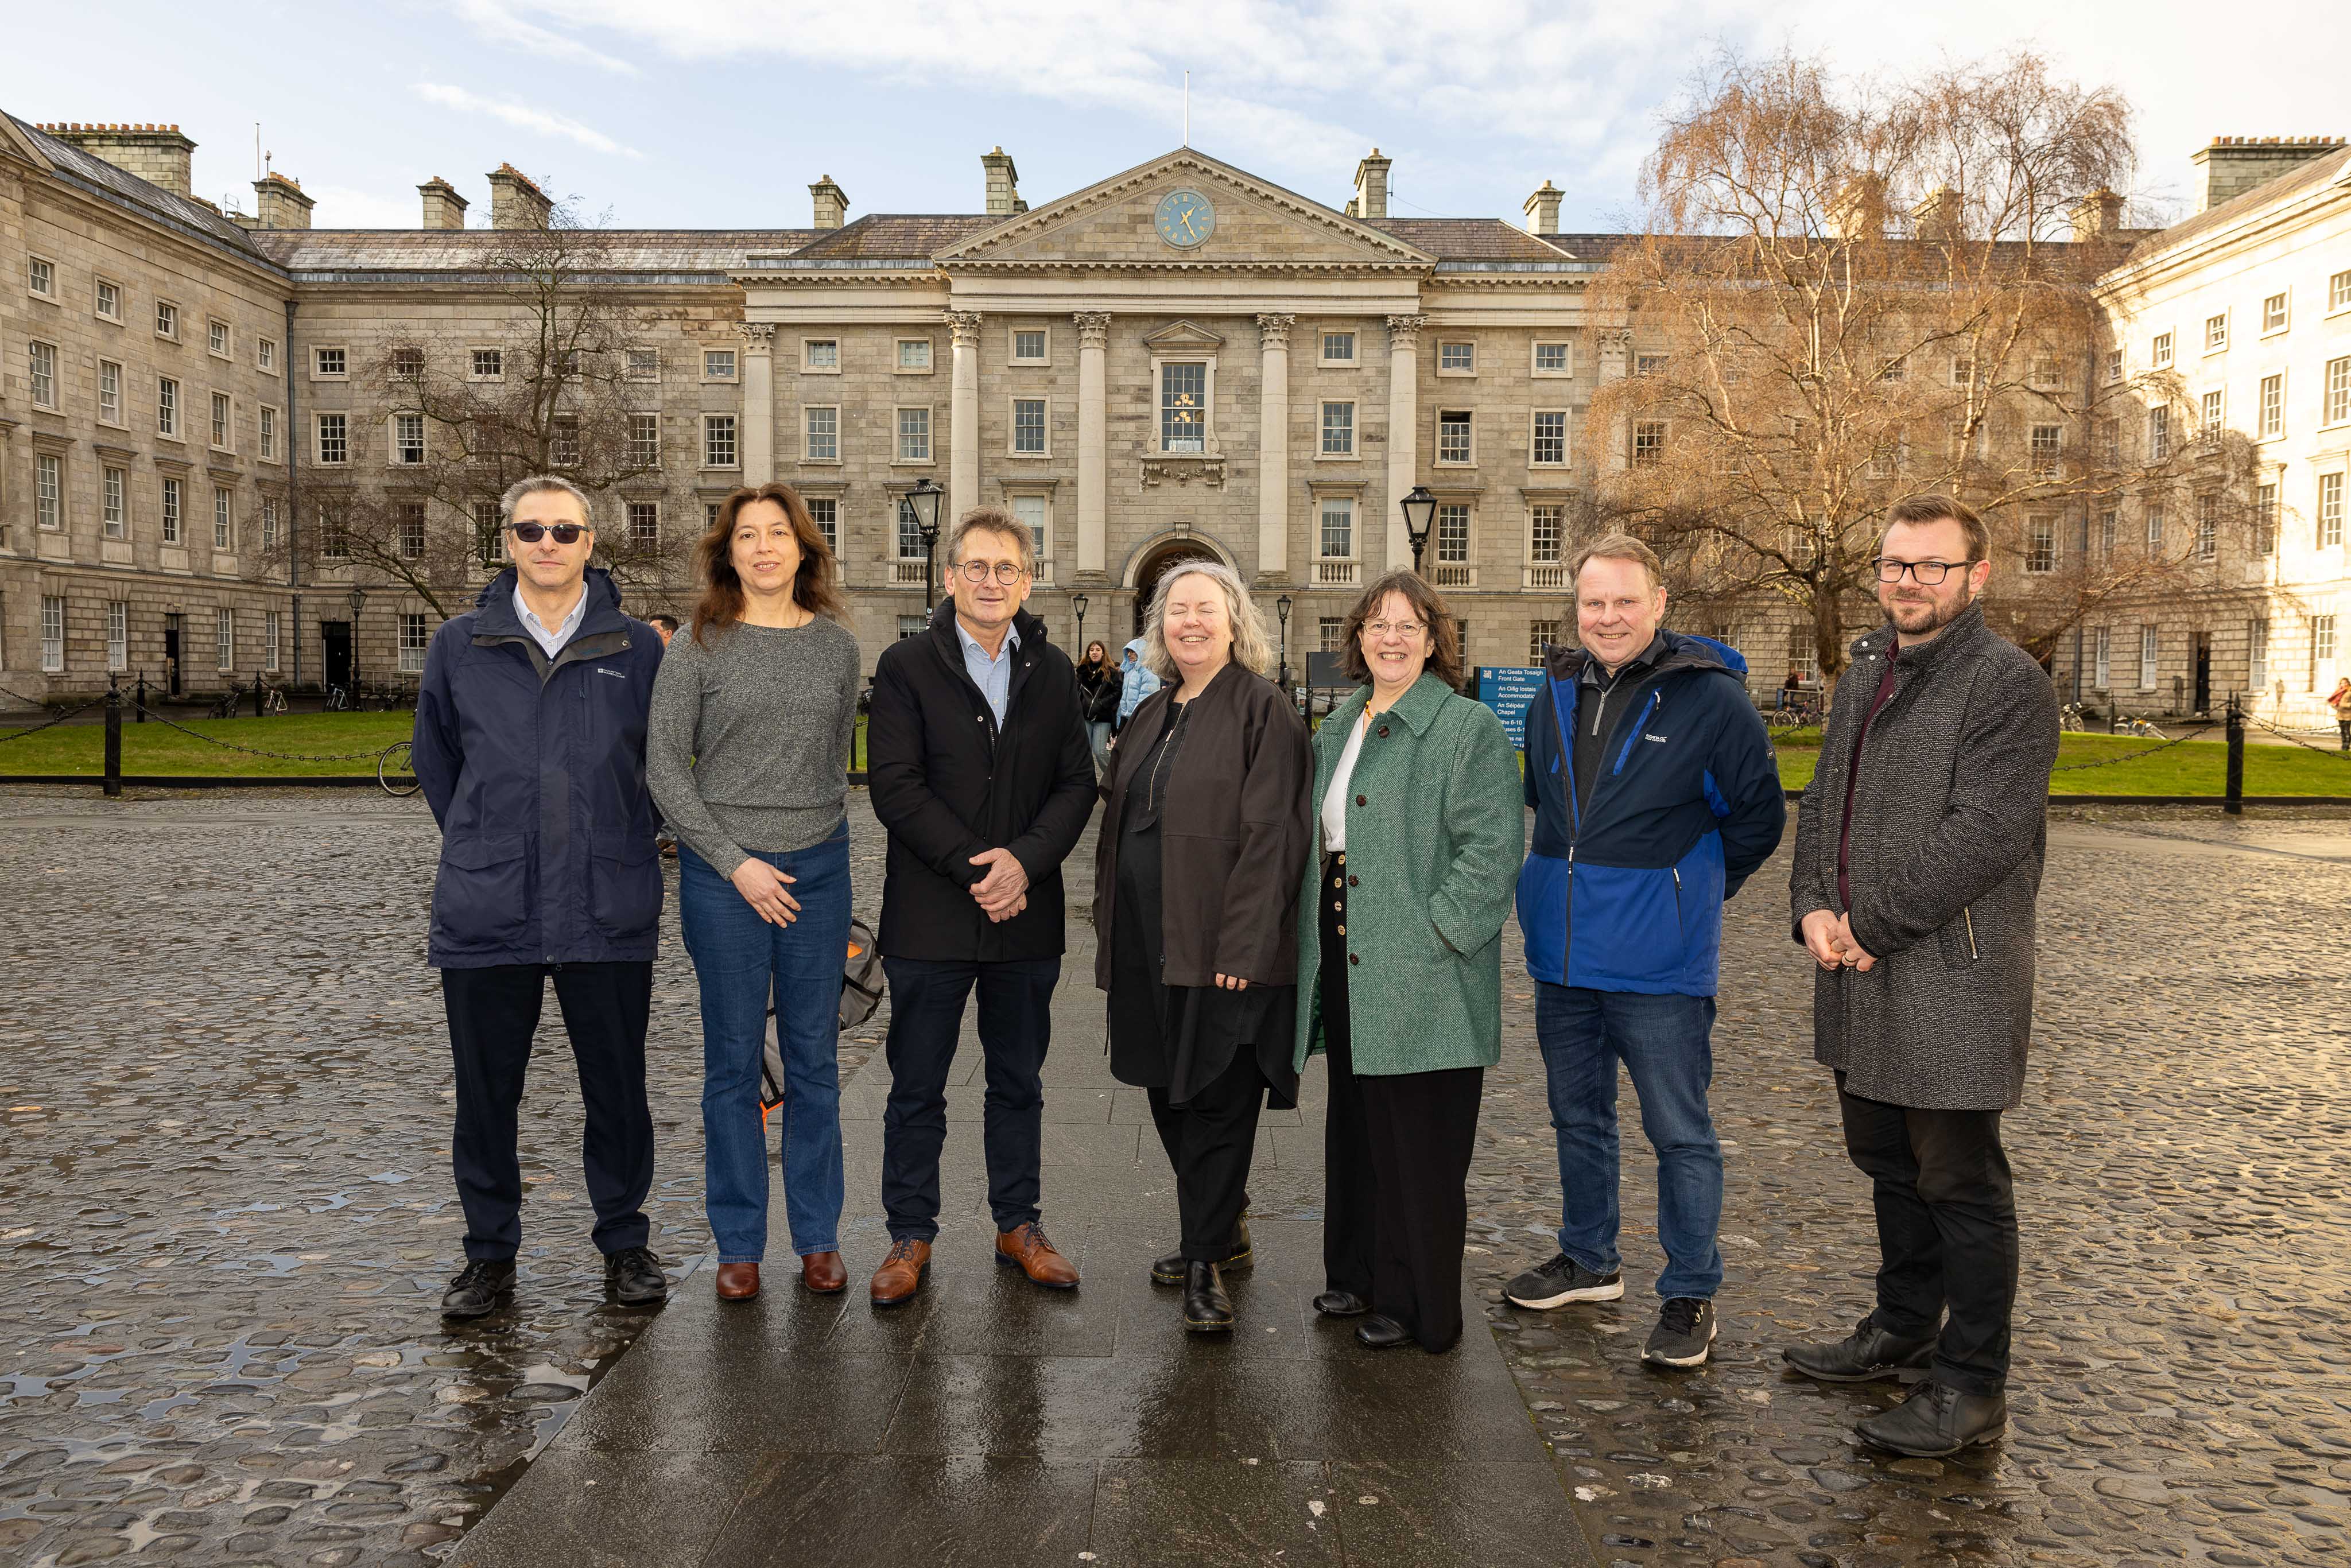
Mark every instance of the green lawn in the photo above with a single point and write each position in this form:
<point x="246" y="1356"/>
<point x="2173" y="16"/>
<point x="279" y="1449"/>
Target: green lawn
<point x="2192" y="768"/>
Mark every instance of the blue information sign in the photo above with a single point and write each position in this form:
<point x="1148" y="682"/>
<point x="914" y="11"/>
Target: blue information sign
<point x="1508" y="689"/>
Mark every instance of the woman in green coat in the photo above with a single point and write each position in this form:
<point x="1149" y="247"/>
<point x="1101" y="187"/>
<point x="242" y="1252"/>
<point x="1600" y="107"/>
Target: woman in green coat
<point x="1421" y="825"/>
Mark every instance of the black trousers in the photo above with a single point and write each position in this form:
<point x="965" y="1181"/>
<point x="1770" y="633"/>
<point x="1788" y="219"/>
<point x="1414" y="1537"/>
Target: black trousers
<point x="1395" y="1156"/>
<point x="1947" y="1232"/>
<point x="492" y="1013"/>
<point x="1016" y="1025"/>
<point x="1209" y="1139"/>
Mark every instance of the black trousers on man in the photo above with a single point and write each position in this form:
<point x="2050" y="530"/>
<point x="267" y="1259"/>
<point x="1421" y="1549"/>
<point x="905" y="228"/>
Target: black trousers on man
<point x="1016" y="1025"/>
<point x="1209" y="1139"/>
<point x="1947" y="1235"/>
<point x="492" y="1013"/>
<point x="1395" y="1162"/>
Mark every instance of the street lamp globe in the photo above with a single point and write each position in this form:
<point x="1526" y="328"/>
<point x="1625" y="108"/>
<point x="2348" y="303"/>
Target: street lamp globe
<point x="1419" y="515"/>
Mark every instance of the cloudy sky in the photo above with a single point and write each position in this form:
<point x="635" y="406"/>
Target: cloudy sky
<point x="718" y="113"/>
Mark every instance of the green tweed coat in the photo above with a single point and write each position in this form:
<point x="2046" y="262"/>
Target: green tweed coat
<point x="1435" y="830"/>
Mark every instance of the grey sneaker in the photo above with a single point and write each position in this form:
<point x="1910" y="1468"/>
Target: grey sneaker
<point x="1559" y="1281"/>
<point x="1685" y="1329"/>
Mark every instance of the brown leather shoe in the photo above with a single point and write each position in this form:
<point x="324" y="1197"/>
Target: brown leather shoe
<point x="738" y="1281"/>
<point x="823" y="1272"/>
<point x="902" y="1272"/>
<point x="1028" y="1251"/>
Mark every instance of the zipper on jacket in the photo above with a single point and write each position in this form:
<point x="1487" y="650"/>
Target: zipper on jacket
<point x="1630" y="740"/>
<point x="1967" y="917"/>
<point x="1677" y="895"/>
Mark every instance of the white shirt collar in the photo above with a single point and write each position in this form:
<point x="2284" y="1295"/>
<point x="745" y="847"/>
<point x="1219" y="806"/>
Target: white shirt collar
<point x="551" y="640"/>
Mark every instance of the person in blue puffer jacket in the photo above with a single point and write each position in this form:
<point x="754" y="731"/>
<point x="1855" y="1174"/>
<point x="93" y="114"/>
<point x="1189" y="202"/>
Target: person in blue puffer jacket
<point x="1656" y="795"/>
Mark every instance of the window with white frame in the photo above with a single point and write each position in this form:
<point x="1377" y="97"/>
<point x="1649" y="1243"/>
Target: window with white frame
<point x="224" y="639"/>
<point x="53" y="634"/>
<point x="488" y="365"/>
<point x="167" y="407"/>
<point x="113" y="507"/>
<point x="1338" y="349"/>
<point x="914" y="356"/>
<point x="2109" y="520"/>
<point x="2102" y="658"/>
<point x="269" y="522"/>
<point x="1329" y="633"/>
<point x="224" y="518"/>
<point x="2270" y="422"/>
<point x="1456" y="437"/>
<point x="334" y="438"/>
<point x="489" y="537"/>
<point x="644" y="441"/>
<point x="824" y="511"/>
<point x="2207" y="525"/>
<point x="2040" y="542"/>
<point x="2114" y="367"/>
<point x="1452" y="534"/>
<point x="718" y="364"/>
<point x="167" y="319"/>
<point x="562" y="441"/>
<point x="718" y="446"/>
<point x="265" y="356"/>
<point x="2330" y="511"/>
<point x="222" y="424"/>
<point x="118" y="636"/>
<point x="910" y="532"/>
<point x="2214" y="412"/>
<point x="2159" y="433"/>
<point x="408" y="527"/>
<point x="1651" y="364"/>
<point x="1028" y="426"/>
<point x="644" y="522"/>
<point x="1548" y="447"/>
<point x="1546" y="529"/>
<point x="1541" y="635"/>
<point x="2265" y="517"/>
<point x="1457" y="359"/>
<point x="910" y="626"/>
<point x="1963" y="372"/>
<point x="2110" y="442"/>
<point x="644" y="364"/>
<point x="1804" y="653"/>
<point x="2216" y="333"/>
<point x="330" y="364"/>
<point x="269" y="627"/>
<point x="822" y="442"/>
<point x="821" y="356"/>
<point x="415" y="637"/>
<point x="2321" y="649"/>
<point x="2336" y="407"/>
<point x="2273" y="314"/>
<point x="2257" y="653"/>
<point x="106" y="300"/>
<point x="1648" y="443"/>
<point x="269" y="433"/>
<point x="1338" y="429"/>
<point x="217" y="338"/>
<point x="2158" y="352"/>
<point x="41" y="365"/>
<point x="407" y="361"/>
<point x="2044" y="440"/>
<point x="171" y="493"/>
<point x="914" y="435"/>
<point x="2045" y="372"/>
<point x="334" y="533"/>
<point x="1337" y="535"/>
<point x="1033" y="510"/>
<point x="1184" y="406"/>
<point x="2149" y="651"/>
<point x="2155" y="527"/>
<point x="2338" y="292"/>
<point x="1553" y="359"/>
<point x="49" y="492"/>
<point x="1029" y="344"/>
<point x="41" y="277"/>
<point x="110" y="393"/>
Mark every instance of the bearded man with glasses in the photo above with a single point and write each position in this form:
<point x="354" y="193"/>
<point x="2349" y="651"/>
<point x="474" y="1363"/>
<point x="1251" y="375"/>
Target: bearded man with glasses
<point x="979" y="768"/>
<point x="1917" y="873"/>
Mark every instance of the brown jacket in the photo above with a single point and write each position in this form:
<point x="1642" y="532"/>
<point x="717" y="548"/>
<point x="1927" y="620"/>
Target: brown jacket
<point x="1235" y="833"/>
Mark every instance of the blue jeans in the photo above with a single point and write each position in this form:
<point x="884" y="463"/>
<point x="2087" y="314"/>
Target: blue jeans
<point x="739" y="958"/>
<point x="1665" y="1044"/>
<point x="1098" y="737"/>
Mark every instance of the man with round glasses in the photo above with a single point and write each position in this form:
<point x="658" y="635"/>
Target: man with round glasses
<point x="1917" y="873"/>
<point x="530" y="747"/>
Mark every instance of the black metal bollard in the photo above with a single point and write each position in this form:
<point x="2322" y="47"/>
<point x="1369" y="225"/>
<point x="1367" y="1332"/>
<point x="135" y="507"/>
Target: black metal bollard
<point x="256" y="696"/>
<point x="2234" y="804"/>
<point x="113" y="743"/>
<point x="140" y="716"/>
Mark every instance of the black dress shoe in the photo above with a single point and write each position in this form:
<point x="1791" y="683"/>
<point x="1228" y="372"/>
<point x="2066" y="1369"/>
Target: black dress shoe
<point x="1206" y="1308"/>
<point x="1340" y="1304"/>
<point x="1861" y="1356"/>
<point x="1381" y="1334"/>
<point x="1936" y="1421"/>
<point x="633" y="1275"/>
<point x="1169" y="1270"/>
<point x="479" y="1289"/>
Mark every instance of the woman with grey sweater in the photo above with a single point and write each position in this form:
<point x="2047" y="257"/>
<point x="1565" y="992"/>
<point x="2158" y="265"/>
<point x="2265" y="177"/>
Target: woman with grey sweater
<point x="746" y="753"/>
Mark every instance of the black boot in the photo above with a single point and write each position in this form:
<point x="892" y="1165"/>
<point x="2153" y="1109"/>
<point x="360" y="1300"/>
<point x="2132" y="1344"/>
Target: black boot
<point x="1937" y="1420"/>
<point x="1169" y="1270"/>
<point x="1382" y="1332"/>
<point x="1867" y="1353"/>
<point x="633" y="1275"/>
<point x="1206" y="1308"/>
<point x="479" y="1287"/>
<point x="1340" y="1304"/>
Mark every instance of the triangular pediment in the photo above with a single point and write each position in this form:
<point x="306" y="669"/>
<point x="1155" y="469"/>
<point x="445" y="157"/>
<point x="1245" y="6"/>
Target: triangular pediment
<point x="1179" y="337"/>
<point x="14" y="141"/>
<point x="1117" y="224"/>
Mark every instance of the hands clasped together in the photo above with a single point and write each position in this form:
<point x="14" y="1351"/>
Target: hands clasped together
<point x="1830" y="939"/>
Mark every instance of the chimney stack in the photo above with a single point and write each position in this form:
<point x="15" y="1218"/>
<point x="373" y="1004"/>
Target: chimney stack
<point x="2232" y="165"/>
<point x="444" y="207"/>
<point x="278" y="203"/>
<point x="1003" y="184"/>
<point x="515" y="201"/>
<point x="831" y="203"/>
<point x="1857" y="210"/>
<point x="1942" y="215"/>
<point x="1543" y="211"/>
<point x="1371" y="187"/>
<point x="157" y="154"/>
<point x="2098" y="215"/>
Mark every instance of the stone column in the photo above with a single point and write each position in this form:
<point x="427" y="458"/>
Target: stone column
<point x="1615" y="362"/>
<point x="758" y="402"/>
<point x="1093" y="443"/>
<point x="1273" y="447"/>
<point x="1404" y="429"/>
<point x="963" y="469"/>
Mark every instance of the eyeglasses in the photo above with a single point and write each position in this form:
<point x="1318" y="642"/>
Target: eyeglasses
<point x="1008" y="572"/>
<point x="1925" y="573"/>
<point x="1401" y="628"/>
<point x="565" y="533"/>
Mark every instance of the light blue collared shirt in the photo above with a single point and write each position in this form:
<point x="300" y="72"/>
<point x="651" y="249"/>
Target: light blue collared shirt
<point x="552" y="640"/>
<point x="992" y="676"/>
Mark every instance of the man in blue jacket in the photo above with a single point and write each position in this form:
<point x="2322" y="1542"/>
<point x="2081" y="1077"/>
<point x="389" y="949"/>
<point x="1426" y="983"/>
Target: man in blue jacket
<point x="1656" y="795"/>
<point x="530" y="747"/>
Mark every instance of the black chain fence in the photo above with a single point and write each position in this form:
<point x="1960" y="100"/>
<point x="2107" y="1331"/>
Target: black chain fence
<point x="51" y="722"/>
<point x="2288" y="735"/>
<point x="370" y="753"/>
<point x="2134" y="756"/>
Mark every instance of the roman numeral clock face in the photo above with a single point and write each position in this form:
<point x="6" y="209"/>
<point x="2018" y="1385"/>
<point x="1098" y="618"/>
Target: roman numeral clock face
<point x="1185" y="219"/>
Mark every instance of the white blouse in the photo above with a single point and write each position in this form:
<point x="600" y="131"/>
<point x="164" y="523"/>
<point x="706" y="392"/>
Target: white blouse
<point x="1334" y="799"/>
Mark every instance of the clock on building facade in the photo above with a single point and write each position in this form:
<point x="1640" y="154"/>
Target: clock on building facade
<point x="1184" y="218"/>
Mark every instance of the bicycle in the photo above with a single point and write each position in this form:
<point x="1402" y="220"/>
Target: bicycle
<point x="273" y="699"/>
<point x="2126" y="725"/>
<point x="396" y="769"/>
<point x="225" y="704"/>
<point x="2070" y="718"/>
<point x="339" y="699"/>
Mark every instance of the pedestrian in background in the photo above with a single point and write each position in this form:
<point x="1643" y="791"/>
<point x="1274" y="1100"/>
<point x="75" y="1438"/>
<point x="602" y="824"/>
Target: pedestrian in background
<point x="1656" y="795"/>
<point x="1917" y="877"/>
<point x="1099" y="687"/>
<point x="666" y="625"/>
<point x="529" y="746"/>
<point x="1136" y="682"/>
<point x="1196" y="873"/>
<point x="2339" y="699"/>
<point x="1400" y="959"/>
<point x="750" y="729"/>
<point x="980" y="772"/>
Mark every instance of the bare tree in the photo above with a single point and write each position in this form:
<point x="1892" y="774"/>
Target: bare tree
<point x="1852" y="291"/>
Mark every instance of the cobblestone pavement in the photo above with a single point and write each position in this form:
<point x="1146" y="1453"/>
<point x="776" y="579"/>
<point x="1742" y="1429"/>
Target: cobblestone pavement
<point x="225" y="1218"/>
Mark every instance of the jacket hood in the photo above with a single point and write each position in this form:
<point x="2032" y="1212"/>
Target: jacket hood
<point x="494" y="607"/>
<point x="1135" y="647"/>
<point x="1683" y="650"/>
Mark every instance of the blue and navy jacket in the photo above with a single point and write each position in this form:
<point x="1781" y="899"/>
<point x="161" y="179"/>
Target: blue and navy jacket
<point x="535" y="769"/>
<point x="1625" y="892"/>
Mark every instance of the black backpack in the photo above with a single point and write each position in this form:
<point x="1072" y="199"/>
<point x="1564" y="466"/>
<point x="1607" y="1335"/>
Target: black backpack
<point x="861" y="989"/>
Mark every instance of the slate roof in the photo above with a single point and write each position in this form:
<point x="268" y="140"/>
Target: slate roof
<point x="2301" y="180"/>
<point x="131" y="191"/>
<point x="899" y="236"/>
<point x="710" y="251"/>
<point x="1468" y="240"/>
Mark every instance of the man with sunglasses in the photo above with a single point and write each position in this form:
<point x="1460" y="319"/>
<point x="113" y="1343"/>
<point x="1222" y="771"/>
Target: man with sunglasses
<point x="1918" y="868"/>
<point x="530" y="747"/>
<point x="980" y="769"/>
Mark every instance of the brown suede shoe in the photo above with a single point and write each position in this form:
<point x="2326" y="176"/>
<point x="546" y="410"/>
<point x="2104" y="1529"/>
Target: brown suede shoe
<point x="738" y="1281"/>
<point x="1028" y="1251"/>
<point x="823" y="1272"/>
<point x="902" y="1272"/>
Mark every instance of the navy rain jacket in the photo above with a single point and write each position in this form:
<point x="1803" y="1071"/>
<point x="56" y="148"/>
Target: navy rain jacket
<point x="1626" y="893"/>
<point x="535" y="769"/>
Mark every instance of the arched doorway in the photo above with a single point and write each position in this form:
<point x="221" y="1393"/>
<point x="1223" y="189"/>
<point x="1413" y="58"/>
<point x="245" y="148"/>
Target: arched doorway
<point x="1159" y="563"/>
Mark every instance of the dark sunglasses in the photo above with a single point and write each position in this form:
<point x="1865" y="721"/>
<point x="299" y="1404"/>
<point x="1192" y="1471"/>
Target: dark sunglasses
<point x="565" y="533"/>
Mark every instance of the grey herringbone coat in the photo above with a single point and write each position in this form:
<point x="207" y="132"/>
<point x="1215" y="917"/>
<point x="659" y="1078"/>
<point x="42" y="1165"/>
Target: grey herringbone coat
<point x="1949" y="821"/>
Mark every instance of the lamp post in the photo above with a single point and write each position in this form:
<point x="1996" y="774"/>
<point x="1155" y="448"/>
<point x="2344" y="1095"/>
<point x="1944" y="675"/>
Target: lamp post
<point x="359" y="602"/>
<point x="925" y="498"/>
<point x="1419" y="513"/>
<point x="1281" y="614"/>
<point x="1078" y="604"/>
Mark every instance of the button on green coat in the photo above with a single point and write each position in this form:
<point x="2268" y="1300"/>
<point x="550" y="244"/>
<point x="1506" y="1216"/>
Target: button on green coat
<point x="1435" y="850"/>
